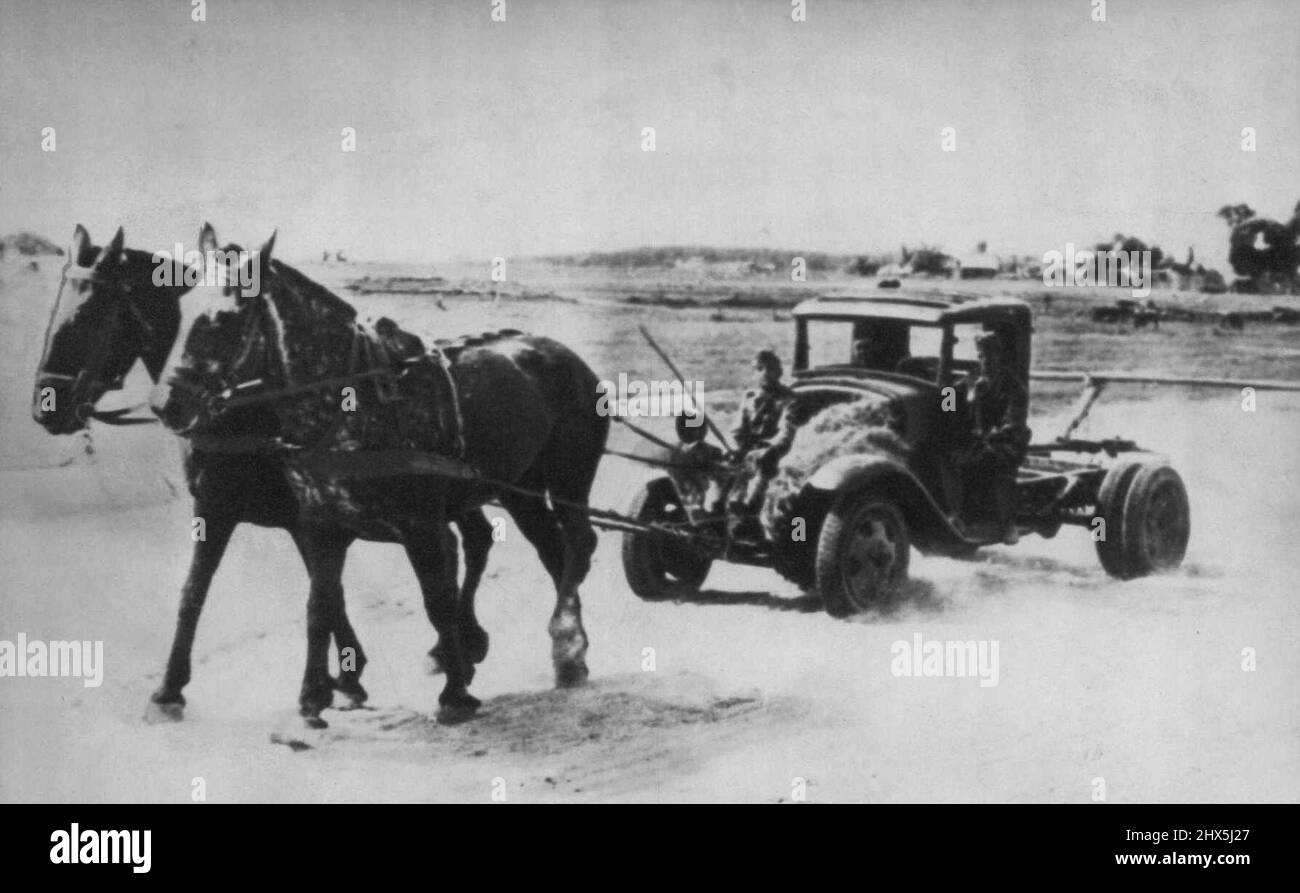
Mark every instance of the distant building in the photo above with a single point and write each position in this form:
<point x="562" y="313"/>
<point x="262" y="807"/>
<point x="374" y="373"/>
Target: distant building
<point x="979" y="264"/>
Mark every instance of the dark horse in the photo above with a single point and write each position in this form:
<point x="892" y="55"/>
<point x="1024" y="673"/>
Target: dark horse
<point x="527" y="420"/>
<point x="109" y="314"/>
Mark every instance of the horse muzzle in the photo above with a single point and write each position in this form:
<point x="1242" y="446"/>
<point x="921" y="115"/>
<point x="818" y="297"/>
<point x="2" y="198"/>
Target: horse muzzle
<point x="180" y="409"/>
<point x="55" y="409"/>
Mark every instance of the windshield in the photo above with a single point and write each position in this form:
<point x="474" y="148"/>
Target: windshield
<point x="882" y="344"/>
<point x="888" y="345"/>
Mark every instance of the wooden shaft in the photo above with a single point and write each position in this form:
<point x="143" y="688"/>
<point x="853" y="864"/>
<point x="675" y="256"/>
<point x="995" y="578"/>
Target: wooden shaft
<point x="722" y="438"/>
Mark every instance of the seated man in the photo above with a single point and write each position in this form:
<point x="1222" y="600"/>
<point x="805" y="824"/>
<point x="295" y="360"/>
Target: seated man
<point x="764" y="434"/>
<point x="879" y="345"/>
<point x="867" y="354"/>
<point x="999" y="405"/>
<point x="698" y="467"/>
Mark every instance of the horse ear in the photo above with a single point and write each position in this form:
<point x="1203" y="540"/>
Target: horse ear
<point x="80" y="246"/>
<point x="269" y="246"/>
<point x="207" y="238"/>
<point x="109" y="255"/>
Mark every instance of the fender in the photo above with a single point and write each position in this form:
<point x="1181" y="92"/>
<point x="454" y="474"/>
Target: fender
<point x="929" y="526"/>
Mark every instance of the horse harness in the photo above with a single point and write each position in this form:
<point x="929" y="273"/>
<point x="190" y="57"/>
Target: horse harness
<point x="372" y="357"/>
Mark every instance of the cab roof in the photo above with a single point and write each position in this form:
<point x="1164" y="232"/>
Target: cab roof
<point x="926" y="308"/>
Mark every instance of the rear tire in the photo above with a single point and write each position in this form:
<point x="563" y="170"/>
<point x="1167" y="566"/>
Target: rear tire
<point x="1157" y="521"/>
<point x="1148" y="521"/>
<point x="656" y="567"/>
<point x="862" y="553"/>
<point x="1110" y="508"/>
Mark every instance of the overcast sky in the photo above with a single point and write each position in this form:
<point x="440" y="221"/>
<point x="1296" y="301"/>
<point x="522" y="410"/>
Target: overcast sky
<point x="477" y="138"/>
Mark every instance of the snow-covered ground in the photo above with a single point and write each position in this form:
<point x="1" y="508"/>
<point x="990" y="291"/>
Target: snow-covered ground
<point x="755" y="693"/>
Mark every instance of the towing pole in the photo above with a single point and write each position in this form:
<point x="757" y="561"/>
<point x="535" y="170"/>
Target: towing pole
<point x="654" y="345"/>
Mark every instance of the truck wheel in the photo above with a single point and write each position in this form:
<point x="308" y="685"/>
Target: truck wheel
<point x="1110" y="508"/>
<point x="656" y="567"/>
<point x="1147" y="520"/>
<point x="1157" y="521"/>
<point x="862" y="553"/>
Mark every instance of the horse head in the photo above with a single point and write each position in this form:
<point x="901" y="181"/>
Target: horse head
<point x="234" y="346"/>
<point x="108" y="313"/>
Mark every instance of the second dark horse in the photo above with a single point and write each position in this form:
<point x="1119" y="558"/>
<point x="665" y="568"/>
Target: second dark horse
<point x="530" y="428"/>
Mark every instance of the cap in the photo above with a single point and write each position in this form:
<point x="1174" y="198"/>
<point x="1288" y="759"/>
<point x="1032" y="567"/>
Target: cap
<point x="767" y="359"/>
<point x="689" y="428"/>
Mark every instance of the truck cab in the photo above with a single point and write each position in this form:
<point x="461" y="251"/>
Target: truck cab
<point x="918" y="352"/>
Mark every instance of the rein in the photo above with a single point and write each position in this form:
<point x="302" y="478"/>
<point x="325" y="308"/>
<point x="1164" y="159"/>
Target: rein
<point x="253" y="392"/>
<point x="370" y="359"/>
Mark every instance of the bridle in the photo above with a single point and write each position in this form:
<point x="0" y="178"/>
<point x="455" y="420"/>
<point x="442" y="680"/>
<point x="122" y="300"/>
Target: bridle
<point x="262" y="349"/>
<point x="90" y="383"/>
<point x="367" y="361"/>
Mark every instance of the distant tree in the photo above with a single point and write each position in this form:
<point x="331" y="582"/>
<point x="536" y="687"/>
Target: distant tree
<point x="1259" y="248"/>
<point x="928" y="259"/>
<point x="864" y="266"/>
<point x="1236" y="215"/>
<point x="31" y="244"/>
<point x="1122" y="243"/>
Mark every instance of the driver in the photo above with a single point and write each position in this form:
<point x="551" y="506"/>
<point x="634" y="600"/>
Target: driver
<point x="869" y="354"/>
<point x="879" y="345"/>
<point x="999" y="404"/>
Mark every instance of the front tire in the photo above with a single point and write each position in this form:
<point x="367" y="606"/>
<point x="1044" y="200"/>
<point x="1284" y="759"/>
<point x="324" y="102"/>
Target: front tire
<point x="862" y="554"/>
<point x="656" y="567"/>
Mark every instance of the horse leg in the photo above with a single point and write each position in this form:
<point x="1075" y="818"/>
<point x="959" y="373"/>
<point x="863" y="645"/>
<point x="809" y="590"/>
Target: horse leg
<point x="324" y="551"/>
<point x="438" y="653"/>
<point x="432" y="554"/>
<point x="559" y="553"/>
<point x="476" y="541"/>
<point x="168" y="702"/>
<point x="568" y="637"/>
<point x="352" y="658"/>
<point x="569" y="468"/>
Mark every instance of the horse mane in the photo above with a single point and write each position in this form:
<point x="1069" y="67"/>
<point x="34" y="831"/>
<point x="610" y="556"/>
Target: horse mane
<point x="312" y="292"/>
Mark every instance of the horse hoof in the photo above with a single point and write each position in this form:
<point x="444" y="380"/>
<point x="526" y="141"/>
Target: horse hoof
<point x="166" y="712"/>
<point x="453" y="712"/>
<point x="352" y="703"/>
<point x="354" y="692"/>
<point x="315" y="722"/>
<point x="570" y="675"/>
